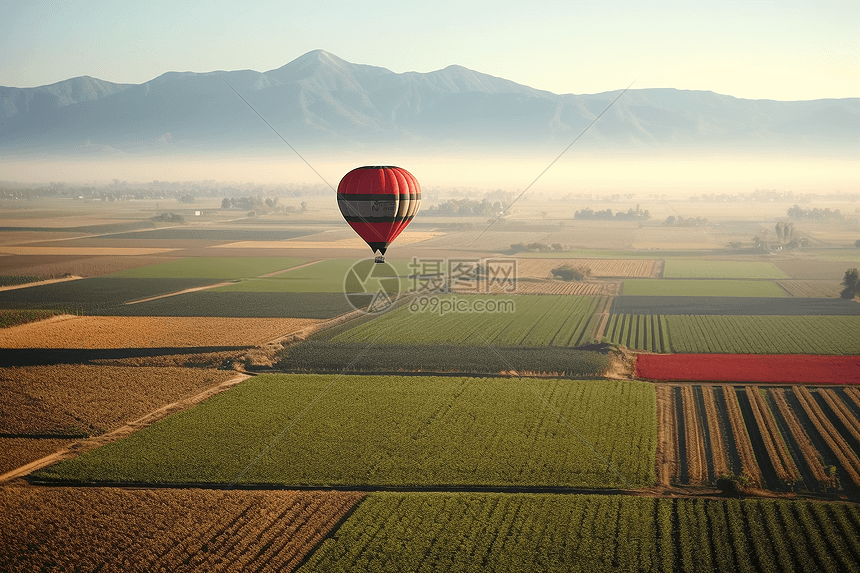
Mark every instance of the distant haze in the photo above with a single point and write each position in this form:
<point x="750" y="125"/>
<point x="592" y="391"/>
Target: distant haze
<point x="450" y="127"/>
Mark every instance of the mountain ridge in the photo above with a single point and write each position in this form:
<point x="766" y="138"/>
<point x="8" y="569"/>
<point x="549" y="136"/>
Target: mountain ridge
<point x="321" y="100"/>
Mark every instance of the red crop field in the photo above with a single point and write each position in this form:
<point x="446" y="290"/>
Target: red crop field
<point x="781" y="368"/>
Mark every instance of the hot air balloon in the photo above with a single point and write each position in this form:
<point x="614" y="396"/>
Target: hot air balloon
<point x="378" y="202"/>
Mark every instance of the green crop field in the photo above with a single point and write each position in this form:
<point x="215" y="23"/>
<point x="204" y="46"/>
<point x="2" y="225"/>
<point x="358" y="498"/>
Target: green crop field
<point x="699" y="269"/>
<point x="324" y="276"/>
<point x="394" y="532"/>
<point x="208" y="303"/>
<point x="327" y="356"/>
<point x="510" y="320"/>
<point x="690" y="287"/>
<point x="736" y="334"/>
<point x="639" y="331"/>
<point x="764" y="334"/>
<point x="211" y="268"/>
<point x="311" y="430"/>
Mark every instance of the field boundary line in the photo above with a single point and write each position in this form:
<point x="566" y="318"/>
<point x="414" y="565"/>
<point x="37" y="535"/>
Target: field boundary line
<point x="37" y="283"/>
<point x="73" y="450"/>
<point x="301" y="266"/>
<point x="194" y="289"/>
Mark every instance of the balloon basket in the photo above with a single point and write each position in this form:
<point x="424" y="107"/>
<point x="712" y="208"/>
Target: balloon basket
<point x="379" y="259"/>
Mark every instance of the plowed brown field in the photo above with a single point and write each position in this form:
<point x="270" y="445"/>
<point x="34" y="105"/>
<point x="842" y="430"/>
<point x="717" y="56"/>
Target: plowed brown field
<point x="104" y="529"/>
<point x="93" y="398"/>
<point x="148" y="332"/>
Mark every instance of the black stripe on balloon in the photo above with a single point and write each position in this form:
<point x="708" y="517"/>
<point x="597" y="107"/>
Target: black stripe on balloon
<point x="376" y="196"/>
<point x="378" y="246"/>
<point x="372" y="219"/>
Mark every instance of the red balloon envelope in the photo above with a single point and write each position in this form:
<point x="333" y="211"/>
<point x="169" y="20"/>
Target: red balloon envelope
<point x="378" y="202"/>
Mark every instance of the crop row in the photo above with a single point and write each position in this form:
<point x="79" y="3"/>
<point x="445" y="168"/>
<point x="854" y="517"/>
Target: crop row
<point x="640" y="331"/>
<point x="393" y="431"/>
<point x="737" y="334"/>
<point x="324" y="356"/>
<point x="497" y="532"/>
<point x="164" y="530"/>
<point x="513" y="320"/>
<point x="777" y="438"/>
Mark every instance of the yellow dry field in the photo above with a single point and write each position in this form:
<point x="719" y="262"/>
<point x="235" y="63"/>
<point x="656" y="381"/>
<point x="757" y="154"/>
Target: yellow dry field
<point x="80" y="251"/>
<point x="540" y="268"/>
<point x="405" y="238"/>
<point x="88" y="332"/>
<point x="113" y="529"/>
<point x="59" y="398"/>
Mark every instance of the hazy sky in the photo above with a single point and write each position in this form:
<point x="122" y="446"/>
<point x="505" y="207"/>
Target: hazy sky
<point x="783" y="49"/>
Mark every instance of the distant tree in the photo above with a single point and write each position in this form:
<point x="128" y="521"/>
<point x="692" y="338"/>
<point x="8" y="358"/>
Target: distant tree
<point x="851" y="282"/>
<point x="780" y="231"/>
<point x="735" y="244"/>
<point x="670" y="220"/>
<point x="857" y="243"/>
<point x="570" y="273"/>
<point x="226" y="203"/>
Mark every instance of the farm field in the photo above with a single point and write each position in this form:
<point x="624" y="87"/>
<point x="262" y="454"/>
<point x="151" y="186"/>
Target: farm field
<point x="716" y="334"/>
<point x="326" y="276"/>
<point x="730" y="306"/>
<point x="86" y="400"/>
<point x="10" y="318"/>
<point x="44" y="407"/>
<point x="210" y="303"/>
<point x="823" y="289"/>
<point x="537" y="320"/>
<point x="540" y="268"/>
<point x="149" y="332"/>
<point x="813" y="269"/>
<point x="764" y="334"/>
<point x="779" y="368"/>
<point x="18" y="452"/>
<point x="325" y="356"/>
<point x="94" y="295"/>
<point x="51" y="266"/>
<point x="503" y="532"/>
<point x="693" y="287"/>
<point x="537" y="286"/>
<point x="94" y="529"/>
<point x="784" y="439"/>
<point x="699" y="269"/>
<point x="211" y="268"/>
<point x="226" y="235"/>
<point x="392" y="431"/>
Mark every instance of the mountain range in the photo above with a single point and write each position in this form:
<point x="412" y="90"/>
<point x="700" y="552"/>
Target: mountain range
<point x="321" y="101"/>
